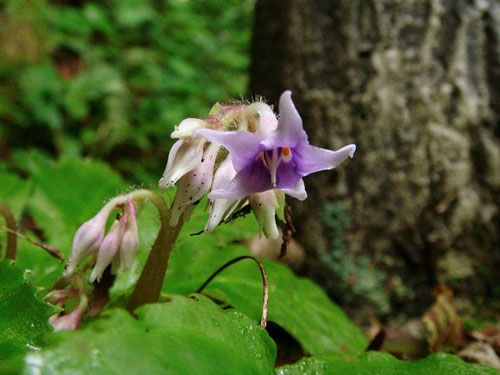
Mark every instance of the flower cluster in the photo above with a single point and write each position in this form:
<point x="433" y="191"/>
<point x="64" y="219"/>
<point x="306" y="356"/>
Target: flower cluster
<point x="116" y="247"/>
<point x="244" y="155"/>
<point x="240" y="155"/>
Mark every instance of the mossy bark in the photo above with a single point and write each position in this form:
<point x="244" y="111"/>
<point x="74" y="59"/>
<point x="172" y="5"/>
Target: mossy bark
<point x="416" y="85"/>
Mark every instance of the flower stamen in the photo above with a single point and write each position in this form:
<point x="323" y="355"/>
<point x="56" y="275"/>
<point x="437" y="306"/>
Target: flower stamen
<point x="286" y="154"/>
<point x="273" y="158"/>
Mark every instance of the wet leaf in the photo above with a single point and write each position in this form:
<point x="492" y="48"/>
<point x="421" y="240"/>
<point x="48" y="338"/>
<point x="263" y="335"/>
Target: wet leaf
<point x="182" y="336"/>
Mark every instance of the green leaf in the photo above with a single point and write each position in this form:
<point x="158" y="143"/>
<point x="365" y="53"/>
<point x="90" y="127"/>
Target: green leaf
<point x="69" y="193"/>
<point x="14" y="192"/>
<point x="183" y="336"/>
<point x="298" y="305"/>
<point x="42" y="269"/>
<point x="24" y="317"/>
<point x="377" y="363"/>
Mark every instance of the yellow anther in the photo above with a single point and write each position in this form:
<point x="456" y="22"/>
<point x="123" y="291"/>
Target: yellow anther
<point x="286" y="154"/>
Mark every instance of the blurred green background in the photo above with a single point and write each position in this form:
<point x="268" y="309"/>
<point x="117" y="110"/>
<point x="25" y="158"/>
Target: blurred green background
<point x="110" y="79"/>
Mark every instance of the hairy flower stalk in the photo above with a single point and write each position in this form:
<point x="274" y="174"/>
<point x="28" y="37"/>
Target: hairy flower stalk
<point x="119" y="245"/>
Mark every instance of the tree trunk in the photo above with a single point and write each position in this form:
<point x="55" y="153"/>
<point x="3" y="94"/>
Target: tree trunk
<point x="416" y="85"/>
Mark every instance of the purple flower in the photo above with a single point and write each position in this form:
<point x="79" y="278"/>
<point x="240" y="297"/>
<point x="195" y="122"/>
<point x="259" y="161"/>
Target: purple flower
<point x="278" y="160"/>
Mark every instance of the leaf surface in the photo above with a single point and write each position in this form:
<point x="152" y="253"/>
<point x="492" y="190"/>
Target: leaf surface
<point x="182" y="336"/>
<point x="378" y="363"/>
<point x="24" y="316"/>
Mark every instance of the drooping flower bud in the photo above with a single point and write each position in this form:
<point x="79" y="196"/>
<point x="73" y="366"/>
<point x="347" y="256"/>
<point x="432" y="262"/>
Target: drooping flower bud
<point x="109" y="248"/>
<point x="130" y="240"/>
<point x="183" y="157"/>
<point x="60" y="295"/>
<point x="88" y="238"/>
<point x="68" y="322"/>
<point x="186" y="128"/>
<point x="194" y="185"/>
<point x="264" y="207"/>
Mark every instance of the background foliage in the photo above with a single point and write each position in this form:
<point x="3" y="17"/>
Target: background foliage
<point x="109" y="79"/>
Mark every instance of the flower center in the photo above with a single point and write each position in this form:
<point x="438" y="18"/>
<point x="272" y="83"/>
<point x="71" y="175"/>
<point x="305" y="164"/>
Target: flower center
<point x="273" y="158"/>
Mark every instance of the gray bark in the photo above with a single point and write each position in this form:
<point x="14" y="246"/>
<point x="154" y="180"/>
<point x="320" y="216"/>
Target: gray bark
<point x="416" y="85"/>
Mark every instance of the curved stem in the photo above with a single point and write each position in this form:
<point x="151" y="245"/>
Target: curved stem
<point x="11" y="237"/>
<point x="148" y="288"/>
<point x="265" y="286"/>
<point x="156" y="199"/>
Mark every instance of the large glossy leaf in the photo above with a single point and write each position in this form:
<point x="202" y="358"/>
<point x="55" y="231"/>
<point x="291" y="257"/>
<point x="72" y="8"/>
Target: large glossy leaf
<point x="183" y="336"/>
<point x="377" y="363"/>
<point x="23" y="315"/>
<point x="298" y="305"/>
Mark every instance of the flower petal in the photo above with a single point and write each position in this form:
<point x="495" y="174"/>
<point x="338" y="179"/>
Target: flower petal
<point x="290" y="131"/>
<point x="253" y="179"/>
<point x="312" y="159"/>
<point x="186" y="128"/>
<point x="267" y="121"/>
<point x="264" y="209"/>
<point x="224" y="174"/>
<point x="218" y="210"/>
<point x="286" y="175"/>
<point x="183" y="157"/>
<point x="299" y="191"/>
<point x="243" y="145"/>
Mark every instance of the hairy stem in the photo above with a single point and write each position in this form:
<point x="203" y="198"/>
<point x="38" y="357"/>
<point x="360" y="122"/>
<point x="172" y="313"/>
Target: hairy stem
<point x="265" y="286"/>
<point x="148" y="288"/>
<point x="11" y="237"/>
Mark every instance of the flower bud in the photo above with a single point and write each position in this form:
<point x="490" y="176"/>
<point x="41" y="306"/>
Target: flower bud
<point x="264" y="208"/>
<point x="194" y="185"/>
<point x="60" y="295"/>
<point x="67" y="322"/>
<point x="109" y="248"/>
<point x="183" y="157"/>
<point x="130" y="239"/>
<point x="186" y="128"/>
<point x="88" y="238"/>
<point x="266" y="119"/>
